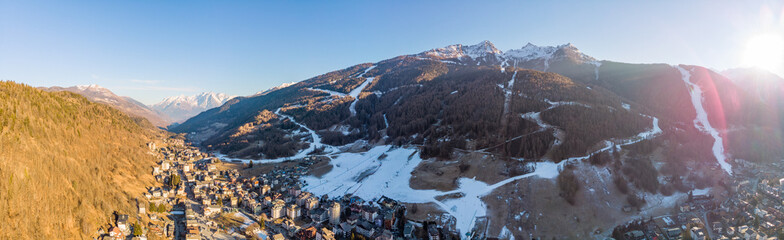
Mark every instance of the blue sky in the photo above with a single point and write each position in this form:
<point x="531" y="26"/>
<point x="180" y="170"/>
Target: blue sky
<point x="152" y="49"/>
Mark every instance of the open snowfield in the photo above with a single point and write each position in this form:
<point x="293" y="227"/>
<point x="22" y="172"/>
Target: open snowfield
<point x="368" y="177"/>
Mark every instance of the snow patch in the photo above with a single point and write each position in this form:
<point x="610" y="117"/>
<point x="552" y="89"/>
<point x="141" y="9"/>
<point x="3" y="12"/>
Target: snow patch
<point x="596" y="65"/>
<point x="331" y="93"/>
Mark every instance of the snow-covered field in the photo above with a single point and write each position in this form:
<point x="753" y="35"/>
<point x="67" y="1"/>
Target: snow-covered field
<point x="368" y="177"/>
<point x="701" y="121"/>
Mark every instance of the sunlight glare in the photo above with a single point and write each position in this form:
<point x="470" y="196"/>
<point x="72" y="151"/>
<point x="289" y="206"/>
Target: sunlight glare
<point x="765" y="51"/>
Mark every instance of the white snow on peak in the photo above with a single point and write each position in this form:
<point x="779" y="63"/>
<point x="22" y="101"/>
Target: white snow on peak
<point x="182" y="107"/>
<point x="284" y="85"/>
<point x="91" y="87"/>
<point x="475" y="51"/>
<point x="481" y="49"/>
<point x="201" y="100"/>
<point x="530" y="52"/>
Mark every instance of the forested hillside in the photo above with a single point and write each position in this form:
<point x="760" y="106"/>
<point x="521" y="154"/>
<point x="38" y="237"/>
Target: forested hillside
<point x="439" y="105"/>
<point x="535" y="102"/>
<point x="67" y="163"/>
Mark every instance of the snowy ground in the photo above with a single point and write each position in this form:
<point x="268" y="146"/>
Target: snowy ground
<point x="365" y="176"/>
<point x="701" y="121"/>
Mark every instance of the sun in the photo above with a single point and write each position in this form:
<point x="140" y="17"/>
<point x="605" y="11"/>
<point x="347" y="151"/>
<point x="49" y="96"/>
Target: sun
<point x="765" y="51"/>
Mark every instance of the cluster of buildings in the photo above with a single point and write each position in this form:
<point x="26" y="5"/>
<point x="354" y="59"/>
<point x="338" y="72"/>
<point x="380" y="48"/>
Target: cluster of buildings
<point x="754" y="209"/>
<point x="197" y="192"/>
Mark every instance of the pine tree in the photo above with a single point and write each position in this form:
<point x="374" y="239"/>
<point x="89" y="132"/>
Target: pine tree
<point x="137" y="230"/>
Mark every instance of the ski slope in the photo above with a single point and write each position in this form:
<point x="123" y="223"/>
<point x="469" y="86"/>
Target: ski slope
<point x="702" y="123"/>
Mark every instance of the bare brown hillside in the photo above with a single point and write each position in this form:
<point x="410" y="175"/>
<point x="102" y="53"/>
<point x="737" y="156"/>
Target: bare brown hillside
<point x="66" y="164"/>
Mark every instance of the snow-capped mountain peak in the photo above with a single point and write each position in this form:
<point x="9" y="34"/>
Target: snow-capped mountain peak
<point x="486" y="53"/>
<point x="533" y="52"/>
<point x="529" y="52"/>
<point x="481" y="49"/>
<point x="92" y="88"/>
<point x="183" y="107"/>
<point x="475" y="51"/>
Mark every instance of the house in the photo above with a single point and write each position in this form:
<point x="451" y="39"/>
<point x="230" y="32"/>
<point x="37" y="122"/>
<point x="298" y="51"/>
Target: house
<point x="211" y="209"/>
<point x="697" y="233"/>
<point x="408" y="230"/>
<point x="278" y="237"/>
<point x="673" y="233"/>
<point x="116" y="233"/>
<point x="122" y="222"/>
<point x="326" y="234"/>
<point x="432" y="233"/>
<point x="292" y="211"/>
<point x="750" y="234"/>
<point x="685" y="208"/>
<point x="386" y="235"/>
<point x="344" y="229"/>
<point x="634" y="235"/>
<point x="365" y="229"/>
<point x="277" y="210"/>
<point x="306" y="234"/>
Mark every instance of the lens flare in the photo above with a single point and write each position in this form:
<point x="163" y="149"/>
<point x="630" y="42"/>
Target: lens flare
<point x="765" y="51"/>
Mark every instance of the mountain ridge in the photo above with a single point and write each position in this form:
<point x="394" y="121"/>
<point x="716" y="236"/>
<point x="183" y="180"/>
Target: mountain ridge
<point x="180" y="108"/>
<point x="128" y="105"/>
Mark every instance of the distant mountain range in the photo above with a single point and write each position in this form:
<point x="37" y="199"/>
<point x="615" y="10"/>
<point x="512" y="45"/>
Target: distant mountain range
<point x="171" y="110"/>
<point x="128" y="105"/>
<point x="180" y="108"/>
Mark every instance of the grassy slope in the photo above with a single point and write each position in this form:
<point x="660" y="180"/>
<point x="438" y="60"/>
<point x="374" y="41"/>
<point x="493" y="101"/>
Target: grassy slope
<point x="66" y="164"/>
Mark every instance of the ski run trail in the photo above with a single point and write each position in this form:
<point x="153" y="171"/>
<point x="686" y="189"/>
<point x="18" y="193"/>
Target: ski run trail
<point x="702" y="123"/>
<point x="355" y="93"/>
